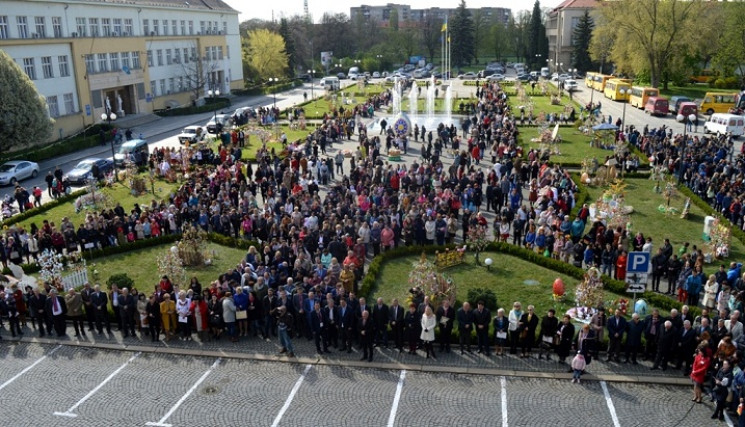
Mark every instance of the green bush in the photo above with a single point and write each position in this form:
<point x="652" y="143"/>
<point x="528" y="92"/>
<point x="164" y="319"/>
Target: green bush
<point x="481" y="294"/>
<point x="732" y="82"/>
<point x="121" y="280"/>
<point x="88" y="138"/>
<point x="43" y="208"/>
<point x="210" y="105"/>
<point x="720" y="83"/>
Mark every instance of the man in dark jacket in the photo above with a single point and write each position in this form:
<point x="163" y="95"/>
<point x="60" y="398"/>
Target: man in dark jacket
<point x="659" y="269"/>
<point x="127" y="308"/>
<point x="56" y="310"/>
<point x="380" y="318"/>
<point x="465" y="326"/>
<point x="318" y="326"/>
<point x="481" y="320"/>
<point x="667" y="343"/>
<point x="37" y="306"/>
<point x="366" y="330"/>
<point x="634" y="338"/>
<point x="616" y="328"/>
<point x="445" y="319"/>
<point x="396" y="320"/>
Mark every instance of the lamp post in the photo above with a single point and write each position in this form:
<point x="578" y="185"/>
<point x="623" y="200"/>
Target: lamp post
<point x="624" y="91"/>
<point x="561" y="67"/>
<point x="692" y="118"/>
<point x="274" y="80"/>
<point x="380" y="61"/>
<point x="538" y="58"/>
<point x="573" y="71"/>
<point x="214" y="93"/>
<point x="312" y="76"/>
<point x="108" y="116"/>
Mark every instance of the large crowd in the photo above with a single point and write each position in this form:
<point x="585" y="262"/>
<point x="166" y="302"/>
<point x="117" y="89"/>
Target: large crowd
<point x="318" y="217"/>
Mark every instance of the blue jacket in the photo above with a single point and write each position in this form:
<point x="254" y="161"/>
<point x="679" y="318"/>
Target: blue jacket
<point x="693" y="284"/>
<point x="241" y="301"/>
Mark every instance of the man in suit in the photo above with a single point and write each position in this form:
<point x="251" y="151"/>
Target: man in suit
<point x="686" y="347"/>
<point x="634" y="338"/>
<point x="481" y="320"/>
<point x="268" y="304"/>
<point x="465" y="326"/>
<point x="652" y="330"/>
<point x="38" y="306"/>
<point x="90" y="313"/>
<point x="366" y="330"/>
<point x="100" y="305"/>
<point x="298" y="303"/>
<point x="309" y="305"/>
<point x="445" y="319"/>
<point x="318" y="327"/>
<point x="114" y="297"/>
<point x="331" y="319"/>
<point x="396" y="320"/>
<point x="346" y="325"/>
<point x="616" y="328"/>
<point x="666" y="344"/>
<point x="127" y="308"/>
<point x="56" y="309"/>
<point x="380" y="318"/>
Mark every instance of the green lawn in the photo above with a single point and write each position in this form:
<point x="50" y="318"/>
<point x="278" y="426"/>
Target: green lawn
<point x="510" y="278"/>
<point x="574" y="148"/>
<point x="542" y="104"/>
<point x="692" y="91"/>
<point x="142" y="267"/>
<point x="651" y="222"/>
<point x="117" y="193"/>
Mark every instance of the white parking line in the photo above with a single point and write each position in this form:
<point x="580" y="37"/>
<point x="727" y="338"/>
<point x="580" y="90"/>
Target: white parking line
<point x="609" y="402"/>
<point x="503" y="382"/>
<point x="728" y="420"/>
<point x="71" y="414"/>
<point x="290" y="397"/>
<point x="18" y="375"/>
<point x="396" y="399"/>
<point x="161" y="422"/>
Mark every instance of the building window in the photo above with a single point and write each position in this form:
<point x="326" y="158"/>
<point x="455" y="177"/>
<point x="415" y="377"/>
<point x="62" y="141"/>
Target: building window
<point x="181" y="83"/>
<point x="219" y="52"/>
<point x="93" y="25"/>
<point x="153" y="88"/>
<point x="162" y="86"/>
<point x="29" y="68"/>
<point x="169" y="57"/>
<point x="69" y="103"/>
<point x="156" y="24"/>
<point x="57" y="26"/>
<point x="164" y="26"/>
<point x="53" y="106"/>
<point x="214" y="27"/>
<point x="194" y="54"/>
<point x="103" y="65"/>
<point x="4" y="27"/>
<point x="171" y="85"/>
<point x="41" y="26"/>
<point x="191" y="28"/>
<point x="114" y="59"/>
<point x="80" y="23"/>
<point x="227" y="52"/>
<point x="186" y="55"/>
<point x="174" y="27"/>
<point x="64" y="67"/>
<point x="118" y="26"/>
<point x="224" y="27"/>
<point x="125" y="59"/>
<point x="183" y="27"/>
<point x="22" y="22"/>
<point x="90" y="64"/>
<point x="106" y="27"/>
<point x="214" y="53"/>
<point x="136" y="60"/>
<point x="159" y="53"/>
<point x="146" y="26"/>
<point x="46" y="67"/>
<point x="201" y="28"/>
<point x="149" y="58"/>
<point x="128" y="27"/>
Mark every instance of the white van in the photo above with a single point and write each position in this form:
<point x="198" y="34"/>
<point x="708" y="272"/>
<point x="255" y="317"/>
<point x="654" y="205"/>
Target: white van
<point x="330" y="83"/>
<point x="353" y="73"/>
<point x="722" y="123"/>
<point x="545" y="72"/>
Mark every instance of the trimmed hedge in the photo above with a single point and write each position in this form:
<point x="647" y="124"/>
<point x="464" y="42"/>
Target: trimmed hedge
<point x="43" y="208"/>
<point x="87" y="138"/>
<point x="209" y="106"/>
<point x="582" y="193"/>
<point x="265" y="90"/>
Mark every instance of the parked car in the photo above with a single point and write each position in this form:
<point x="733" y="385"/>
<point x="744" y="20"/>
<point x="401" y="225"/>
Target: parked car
<point x="17" y="170"/>
<point x="222" y="119"/>
<point x="191" y="134"/>
<point x="525" y="77"/>
<point x="341" y="76"/>
<point x="467" y="76"/>
<point x="136" y="151"/>
<point x="376" y="75"/>
<point x="305" y="77"/>
<point x="495" y="78"/>
<point x="570" y="85"/>
<point x="675" y="102"/>
<point x="83" y="171"/>
<point x="657" y="106"/>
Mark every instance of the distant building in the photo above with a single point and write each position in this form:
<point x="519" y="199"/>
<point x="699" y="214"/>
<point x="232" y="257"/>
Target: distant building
<point x="132" y="56"/>
<point x="408" y="16"/>
<point x="560" y="25"/>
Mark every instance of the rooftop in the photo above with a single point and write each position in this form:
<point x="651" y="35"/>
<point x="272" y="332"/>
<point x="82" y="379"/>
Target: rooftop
<point x="577" y="4"/>
<point x="186" y="4"/>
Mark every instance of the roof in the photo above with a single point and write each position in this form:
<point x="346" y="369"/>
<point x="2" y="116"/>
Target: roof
<point x="577" y="4"/>
<point x="186" y="4"/>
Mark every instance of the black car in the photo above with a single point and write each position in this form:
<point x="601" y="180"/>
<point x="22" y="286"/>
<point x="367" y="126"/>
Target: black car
<point x="85" y="170"/>
<point x="524" y="77"/>
<point x="305" y="77"/>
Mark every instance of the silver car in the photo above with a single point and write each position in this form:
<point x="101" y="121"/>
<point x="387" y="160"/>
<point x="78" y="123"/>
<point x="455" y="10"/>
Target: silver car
<point x="17" y="170"/>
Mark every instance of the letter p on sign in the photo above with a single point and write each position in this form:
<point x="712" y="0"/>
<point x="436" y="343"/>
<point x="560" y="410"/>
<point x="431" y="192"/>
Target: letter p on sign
<point x="638" y="262"/>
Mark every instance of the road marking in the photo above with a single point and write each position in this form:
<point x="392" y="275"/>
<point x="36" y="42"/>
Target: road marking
<point x="609" y="402"/>
<point x="161" y="422"/>
<point x="18" y="375"/>
<point x="503" y="382"/>
<point x="291" y="396"/>
<point x="728" y="420"/>
<point x="396" y="399"/>
<point x="71" y="414"/>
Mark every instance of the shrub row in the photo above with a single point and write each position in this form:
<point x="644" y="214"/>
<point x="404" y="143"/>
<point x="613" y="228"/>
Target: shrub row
<point x="43" y="208"/>
<point x="266" y="90"/>
<point x="87" y="138"/>
<point x="209" y="105"/>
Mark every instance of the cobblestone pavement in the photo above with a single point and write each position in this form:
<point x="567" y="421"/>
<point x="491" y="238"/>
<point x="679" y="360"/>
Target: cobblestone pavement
<point x="62" y="385"/>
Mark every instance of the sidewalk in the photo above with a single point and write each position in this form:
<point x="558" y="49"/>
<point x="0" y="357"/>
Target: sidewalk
<point x="250" y="348"/>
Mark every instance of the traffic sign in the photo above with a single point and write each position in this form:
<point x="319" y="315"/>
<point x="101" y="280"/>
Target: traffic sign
<point x="637" y="262"/>
<point x="637" y="282"/>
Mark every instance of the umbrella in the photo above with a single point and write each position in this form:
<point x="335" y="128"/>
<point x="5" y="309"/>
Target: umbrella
<point x="605" y="126"/>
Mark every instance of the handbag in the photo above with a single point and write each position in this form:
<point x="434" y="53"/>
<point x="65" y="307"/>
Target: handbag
<point x="523" y="334"/>
<point x="241" y="315"/>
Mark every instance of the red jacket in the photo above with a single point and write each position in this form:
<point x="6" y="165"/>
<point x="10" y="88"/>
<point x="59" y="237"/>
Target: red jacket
<point x="699" y="367"/>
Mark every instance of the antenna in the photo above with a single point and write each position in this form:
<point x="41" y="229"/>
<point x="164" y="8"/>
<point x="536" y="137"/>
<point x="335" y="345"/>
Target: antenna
<point x="305" y="8"/>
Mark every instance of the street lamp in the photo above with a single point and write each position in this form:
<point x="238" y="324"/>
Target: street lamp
<point x="538" y="58"/>
<point x="561" y="66"/>
<point x="108" y="116"/>
<point x="312" y="76"/>
<point x="214" y="92"/>
<point x="624" y="91"/>
<point x="274" y="80"/>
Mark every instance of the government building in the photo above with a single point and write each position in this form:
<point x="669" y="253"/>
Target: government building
<point x="128" y="56"/>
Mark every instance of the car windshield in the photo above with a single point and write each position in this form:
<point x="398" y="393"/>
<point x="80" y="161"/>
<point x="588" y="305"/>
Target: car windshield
<point x="85" y="164"/>
<point x="126" y="149"/>
<point x="7" y="168"/>
<point x="188" y="130"/>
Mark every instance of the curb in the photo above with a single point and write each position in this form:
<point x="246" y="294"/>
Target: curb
<point x="318" y="361"/>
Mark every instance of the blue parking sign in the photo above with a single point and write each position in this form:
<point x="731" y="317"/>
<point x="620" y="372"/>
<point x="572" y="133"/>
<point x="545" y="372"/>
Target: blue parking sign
<point x="637" y="262"/>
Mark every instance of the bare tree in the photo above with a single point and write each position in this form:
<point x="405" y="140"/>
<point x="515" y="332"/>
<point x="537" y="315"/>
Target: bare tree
<point x="198" y="72"/>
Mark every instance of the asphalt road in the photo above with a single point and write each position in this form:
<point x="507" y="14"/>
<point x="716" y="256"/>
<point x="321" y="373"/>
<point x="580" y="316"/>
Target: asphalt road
<point x="68" y="386"/>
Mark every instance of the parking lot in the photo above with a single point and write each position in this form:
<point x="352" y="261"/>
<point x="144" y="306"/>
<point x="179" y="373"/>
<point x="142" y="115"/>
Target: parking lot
<point x="68" y="386"/>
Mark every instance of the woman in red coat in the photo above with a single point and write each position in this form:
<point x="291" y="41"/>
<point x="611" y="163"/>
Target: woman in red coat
<point x="201" y="323"/>
<point x="698" y="371"/>
<point x="621" y="266"/>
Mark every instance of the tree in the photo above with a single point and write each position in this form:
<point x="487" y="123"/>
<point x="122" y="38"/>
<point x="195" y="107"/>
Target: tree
<point x="292" y="59"/>
<point x="647" y="34"/>
<point x="265" y="53"/>
<point x="23" y="111"/>
<point x="730" y="54"/>
<point x="481" y="30"/>
<point x="499" y="40"/>
<point x="198" y="74"/>
<point x="537" y="42"/>
<point x="430" y="35"/>
<point x="581" y="41"/>
<point x="393" y="20"/>
<point x="461" y="36"/>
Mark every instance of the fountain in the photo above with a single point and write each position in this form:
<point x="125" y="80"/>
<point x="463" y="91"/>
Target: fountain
<point x="431" y="98"/>
<point x="413" y="99"/>
<point x="396" y="97"/>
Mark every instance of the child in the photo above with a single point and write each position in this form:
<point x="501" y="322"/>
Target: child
<point x="578" y="364"/>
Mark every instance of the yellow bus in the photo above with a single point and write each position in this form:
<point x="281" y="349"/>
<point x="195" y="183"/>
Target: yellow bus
<point x="613" y="89"/>
<point x="589" y="79"/>
<point x="599" y="82"/>
<point x="717" y="102"/>
<point x="639" y="95"/>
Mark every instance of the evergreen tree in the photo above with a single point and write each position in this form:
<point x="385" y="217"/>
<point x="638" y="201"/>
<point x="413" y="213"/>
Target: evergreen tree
<point x="537" y="42"/>
<point x="581" y="37"/>
<point x="292" y="59"/>
<point x="461" y="36"/>
<point x="23" y="112"/>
